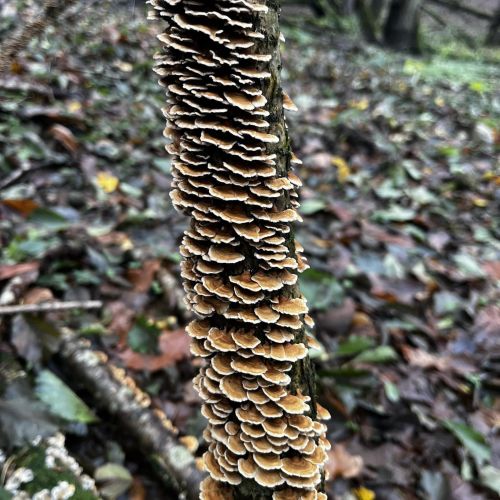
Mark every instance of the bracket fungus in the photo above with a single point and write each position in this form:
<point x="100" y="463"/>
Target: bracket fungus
<point x="233" y="176"/>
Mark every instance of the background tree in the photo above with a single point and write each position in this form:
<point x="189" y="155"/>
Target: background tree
<point x="493" y="37"/>
<point x="402" y="28"/>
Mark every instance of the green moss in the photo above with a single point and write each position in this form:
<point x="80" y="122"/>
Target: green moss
<point x="45" y="478"/>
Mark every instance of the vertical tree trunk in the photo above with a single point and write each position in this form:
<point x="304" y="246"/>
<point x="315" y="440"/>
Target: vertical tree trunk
<point x="233" y="176"/>
<point x="493" y="37"/>
<point x="367" y="20"/>
<point x="402" y="27"/>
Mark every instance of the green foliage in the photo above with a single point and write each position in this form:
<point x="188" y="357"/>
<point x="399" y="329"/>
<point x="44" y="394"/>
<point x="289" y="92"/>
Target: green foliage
<point x="61" y="400"/>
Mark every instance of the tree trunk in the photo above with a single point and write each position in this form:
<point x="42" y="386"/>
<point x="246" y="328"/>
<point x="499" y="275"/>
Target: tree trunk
<point x="493" y="37"/>
<point x="232" y="168"/>
<point x="402" y="27"/>
<point x="367" y="21"/>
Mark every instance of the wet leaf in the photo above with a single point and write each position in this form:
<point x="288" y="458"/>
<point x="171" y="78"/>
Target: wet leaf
<point x="342" y="464"/>
<point x="107" y="182"/>
<point x="113" y="480"/>
<point x="472" y="440"/>
<point x="354" y="345"/>
<point x="61" y="400"/>
<point x="382" y="354"/>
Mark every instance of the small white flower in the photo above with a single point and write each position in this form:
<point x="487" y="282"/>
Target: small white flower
<point x="87" y="483"/>
<point x="18" y="477"/>
<point x="62" y="491"/>
<point x="41" y="495"/>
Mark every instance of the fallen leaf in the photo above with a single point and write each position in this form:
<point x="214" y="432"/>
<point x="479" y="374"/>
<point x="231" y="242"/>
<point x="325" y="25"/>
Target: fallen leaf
<point x="24" y="207"/>
<point x="64" y="136"/>
<point x="37" y="295"/>
<point x="142" y="278"/>
<point x="343" y="170"/>
<point x="342" y="464"/>
<point x="174" y="346"/>
<point x="8" y="271"/>
<point x="363" y="493"/>
<point x="107" y="182"/>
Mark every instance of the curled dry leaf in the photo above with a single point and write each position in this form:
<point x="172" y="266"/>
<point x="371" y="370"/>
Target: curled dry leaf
<point x="342" y="464"/>
<point x="174" y="346"/>
<point x="64" y="136"/>
<point x="142" y="278"/>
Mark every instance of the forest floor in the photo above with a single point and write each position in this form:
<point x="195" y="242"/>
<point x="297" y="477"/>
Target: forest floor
<point x="402" y="229"/>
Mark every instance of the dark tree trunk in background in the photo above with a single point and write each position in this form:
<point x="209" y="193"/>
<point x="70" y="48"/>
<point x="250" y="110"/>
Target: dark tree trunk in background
<point x="367" y="20"/>
<point x="378" y="8"/>
<point x="494" y="31"/>
<point x="401" y="31"/>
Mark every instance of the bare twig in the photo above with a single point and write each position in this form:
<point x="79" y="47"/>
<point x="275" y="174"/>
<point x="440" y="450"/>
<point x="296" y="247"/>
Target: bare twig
<point x="50" y="307"/>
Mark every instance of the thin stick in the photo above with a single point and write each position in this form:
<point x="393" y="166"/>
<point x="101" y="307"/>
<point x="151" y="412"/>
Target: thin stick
<point x="50" y="307"/>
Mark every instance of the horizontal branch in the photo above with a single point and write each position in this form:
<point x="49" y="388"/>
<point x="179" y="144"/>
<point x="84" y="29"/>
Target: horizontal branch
<point x="119" y="396"/>
<point x="50" y="307"/>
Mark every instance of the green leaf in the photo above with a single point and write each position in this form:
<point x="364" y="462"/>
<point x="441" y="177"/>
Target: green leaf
<point x="48" y="219"/>
<point x="320" y="289"/>
<point x="354" y="345"/>
<point x="163" y="164"/>
<point x="391" y="391"/>
<point x="113" y="480"/>
<point x="469" y="266"/>
<point x="382" y="354"/>
<point x="472" y="440"/>
<point x="490" y="477"/>
<point x="4" y="494"/>
<point x="312" y="206"/>
<point x="61" y="400"/>
<point x="395" y="213"/>
<point x="143" y="337"/>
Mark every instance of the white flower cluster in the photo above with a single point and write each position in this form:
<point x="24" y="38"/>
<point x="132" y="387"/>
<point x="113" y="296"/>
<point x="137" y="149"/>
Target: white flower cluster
<point x="62" y="491"/>
<point x="18" y="478"/>
<point x="56" y="458"/>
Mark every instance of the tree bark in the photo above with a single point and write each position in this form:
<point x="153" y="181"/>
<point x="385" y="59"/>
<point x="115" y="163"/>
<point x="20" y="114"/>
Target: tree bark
<point x="367" y="20"/>
<point x="233" y="175"/>
<point x="493" y="37"/>
<point x="402" y="27"/>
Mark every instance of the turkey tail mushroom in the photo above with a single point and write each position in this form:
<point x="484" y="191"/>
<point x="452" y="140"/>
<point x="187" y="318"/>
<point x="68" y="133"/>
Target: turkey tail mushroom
<point x="233" y="176"/>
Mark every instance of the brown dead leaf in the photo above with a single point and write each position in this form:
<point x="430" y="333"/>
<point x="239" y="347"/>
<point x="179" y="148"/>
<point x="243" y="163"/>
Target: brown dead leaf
<point x="423" y="359"/>
<point x="342" y="464"/>
<point x="11" y="270"/>
<point x="24" y="207"/>
<point x="37" y="295"/>
<point x="337" y="320"/>
<point x="137" y="490"/>
<point x="174" y="346"/>
<point x="492" y="268"/>
<point x="122" y="318"/>
<point x="442" y="363"/>
<point x="64" y="136"/>
<point x="141" y="279"/>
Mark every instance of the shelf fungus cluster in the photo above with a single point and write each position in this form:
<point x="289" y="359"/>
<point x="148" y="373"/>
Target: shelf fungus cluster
<point x="233" y="175"/>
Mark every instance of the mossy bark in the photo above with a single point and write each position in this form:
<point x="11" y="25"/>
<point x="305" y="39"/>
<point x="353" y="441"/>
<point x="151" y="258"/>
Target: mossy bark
<point x="302" y="374"/>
